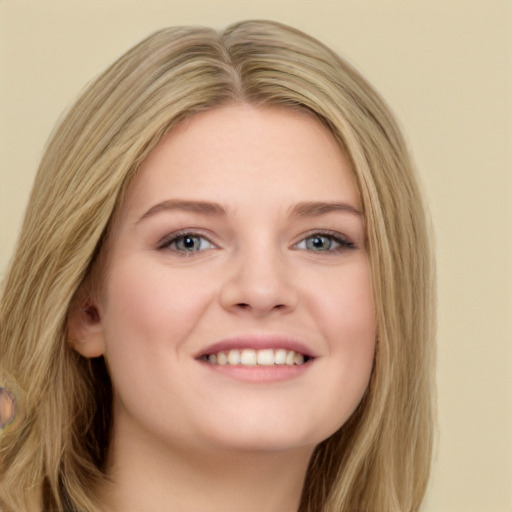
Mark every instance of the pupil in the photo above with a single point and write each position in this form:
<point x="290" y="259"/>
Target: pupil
<point x="319" y="243"/>
<point x="189" y="242"/>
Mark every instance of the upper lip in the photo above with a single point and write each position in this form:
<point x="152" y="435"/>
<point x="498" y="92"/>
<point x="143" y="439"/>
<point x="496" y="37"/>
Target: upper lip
<point x="257" y="342"/>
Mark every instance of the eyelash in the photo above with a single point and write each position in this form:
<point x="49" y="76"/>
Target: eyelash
<point x="343" y="243"/>
<point x="334" y="237"/>
<point x="173" y="238"/>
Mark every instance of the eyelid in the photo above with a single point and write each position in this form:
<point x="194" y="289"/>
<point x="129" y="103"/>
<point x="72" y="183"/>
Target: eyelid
<point x="344" y="242"/>
<point x="165" y="242"/>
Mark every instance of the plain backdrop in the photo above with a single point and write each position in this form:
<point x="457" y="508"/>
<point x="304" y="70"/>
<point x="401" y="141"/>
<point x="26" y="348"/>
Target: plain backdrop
<point x="445" y="67"/>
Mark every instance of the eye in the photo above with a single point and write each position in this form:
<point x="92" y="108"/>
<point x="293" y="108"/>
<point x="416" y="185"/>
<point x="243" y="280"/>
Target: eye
<point x="324" y="242"/>
<point x="186" y="243"/>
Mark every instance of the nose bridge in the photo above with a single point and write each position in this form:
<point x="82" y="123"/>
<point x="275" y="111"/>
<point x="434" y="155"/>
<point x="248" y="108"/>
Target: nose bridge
<point x="258" y="280"/>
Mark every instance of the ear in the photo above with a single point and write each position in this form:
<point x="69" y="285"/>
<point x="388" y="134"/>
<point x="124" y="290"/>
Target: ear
<point x="85" y="329"/>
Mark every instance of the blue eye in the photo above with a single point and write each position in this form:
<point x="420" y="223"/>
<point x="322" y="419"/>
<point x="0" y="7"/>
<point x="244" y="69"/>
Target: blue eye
<point x="319" y="243"/>
<point x="186" y="243"/>
<point x="324" y="242"/>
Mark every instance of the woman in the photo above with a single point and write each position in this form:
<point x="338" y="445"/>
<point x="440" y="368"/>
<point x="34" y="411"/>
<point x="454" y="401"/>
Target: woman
<point x="222" y="294"/>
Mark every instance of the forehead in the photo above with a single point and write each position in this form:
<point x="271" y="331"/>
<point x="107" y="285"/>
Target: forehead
<point x="239" y="153"/>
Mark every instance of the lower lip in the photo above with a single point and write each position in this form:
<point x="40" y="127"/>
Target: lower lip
<point x="256" y="373"/>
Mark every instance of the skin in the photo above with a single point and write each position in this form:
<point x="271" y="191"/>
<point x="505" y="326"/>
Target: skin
<point x="257" y="270"/>
<point x="7" y="408"/>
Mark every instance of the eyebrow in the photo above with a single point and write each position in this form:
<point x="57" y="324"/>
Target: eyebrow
<point x="303" y="209"/>
<point x="317" y="208"/>
<point x="202" y="207"/>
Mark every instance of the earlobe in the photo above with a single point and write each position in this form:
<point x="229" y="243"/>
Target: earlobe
<point x="85" y="330"/>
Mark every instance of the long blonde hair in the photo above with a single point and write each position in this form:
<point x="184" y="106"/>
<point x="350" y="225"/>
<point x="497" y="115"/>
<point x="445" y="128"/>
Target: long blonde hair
<point x="53" y="455"/>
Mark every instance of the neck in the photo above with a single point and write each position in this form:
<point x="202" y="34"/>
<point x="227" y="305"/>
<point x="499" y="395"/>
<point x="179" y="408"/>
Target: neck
<point x="145" y="476"/>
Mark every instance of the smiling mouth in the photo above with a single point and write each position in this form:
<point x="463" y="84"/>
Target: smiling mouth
<point x="252" y="357"/>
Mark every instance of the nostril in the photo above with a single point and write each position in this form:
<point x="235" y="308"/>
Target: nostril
<point x="244" y="305"/>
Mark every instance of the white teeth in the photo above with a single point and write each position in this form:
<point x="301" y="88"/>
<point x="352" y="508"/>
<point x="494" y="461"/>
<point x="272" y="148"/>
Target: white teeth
<point x="234" y="357"/>
<point x="248" y="357"/>
<point x="265" y="357"/>
<point x="251" y="357"/>
<point x="280" y="356"/>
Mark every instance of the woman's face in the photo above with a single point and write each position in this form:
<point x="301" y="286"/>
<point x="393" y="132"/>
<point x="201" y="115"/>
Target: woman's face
<point x="240" y="238"/>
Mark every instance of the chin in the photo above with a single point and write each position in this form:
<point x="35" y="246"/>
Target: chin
<point x="266" y="435"/>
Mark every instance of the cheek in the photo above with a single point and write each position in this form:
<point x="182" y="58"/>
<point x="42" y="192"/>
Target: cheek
<point x="148" y="297"/>
<point x="347" y="321"/>
<point x="347" y="309"/>
<point x="148" y="314"/>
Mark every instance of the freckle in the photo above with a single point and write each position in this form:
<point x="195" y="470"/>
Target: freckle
<point x="7" y="408"/>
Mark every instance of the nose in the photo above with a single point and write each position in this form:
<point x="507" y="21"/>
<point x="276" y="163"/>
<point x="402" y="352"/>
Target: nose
<point x="259" y="283"/>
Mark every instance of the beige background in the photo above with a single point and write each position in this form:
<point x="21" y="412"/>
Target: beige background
<point x="446" y="69"/>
